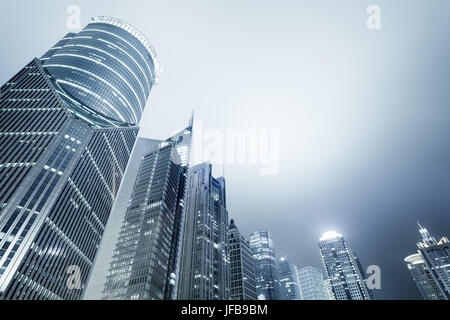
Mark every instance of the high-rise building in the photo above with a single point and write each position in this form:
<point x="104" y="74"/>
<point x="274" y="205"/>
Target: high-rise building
<point x="312" y="285"/>
<point x="431" y="267"/>
<point x="242" y="266"/>
<point x="289" y="283"/>
<point x="145" y="260"/>
<point x="343" y="268"/>
<point x="204" y="270"/>
<point x="423" y="278"/>
<point x="97" y="279"/>
<point x="68" y="123"/>
<point x="266" y="271"/>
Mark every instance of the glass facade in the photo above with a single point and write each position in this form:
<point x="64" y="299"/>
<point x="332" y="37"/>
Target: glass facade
<point x="423" y="278"/>
<point x="344" y="271"/>
<point x="290" y="287"/>
<point x="108" y="66"/>
<point x="242" y="266"/>
<point x="140" y="266"/>
<point x="266" y="269"/>
<point x="312" y="285"/>
<point x="61" y="165"/>
<point x="436" y="257"/>
<point x="97" y="281"/>
<point x="204" y="271"/>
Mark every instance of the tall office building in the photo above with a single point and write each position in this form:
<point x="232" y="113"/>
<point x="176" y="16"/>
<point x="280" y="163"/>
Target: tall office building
<point x="68" y="123"/>
<point x="433" y="263"/>
<point x="289" y="283"/>
<point x="204" y="272"/>
<point x="97" y="279"/>
<point x="146" y="256"/>
<point x="343" y="268"/>
<point x="266" y="271"/>
<point x="242" y="266"/>
<point x="312" y="285"/>
<point x="423" y="278"/>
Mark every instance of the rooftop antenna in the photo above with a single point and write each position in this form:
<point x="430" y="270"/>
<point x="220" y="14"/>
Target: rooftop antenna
<point x="191" y="120"/>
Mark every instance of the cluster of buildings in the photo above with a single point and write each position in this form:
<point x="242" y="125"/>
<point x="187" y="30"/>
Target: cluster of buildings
<point x="89" y="210"/>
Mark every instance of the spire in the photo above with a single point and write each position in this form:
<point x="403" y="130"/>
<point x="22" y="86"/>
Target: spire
<point x="420" y="227"/>
<point x="428" y="240"/>
<point x="191" y="120"/>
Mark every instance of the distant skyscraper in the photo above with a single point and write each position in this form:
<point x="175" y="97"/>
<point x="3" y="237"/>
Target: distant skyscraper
<point x="68" y="123"/>
<point x="266" y="270"/>
<point x="344" y="271"/>
<point x="204" y="272"/>
<point x="432" y="262"/>
<point x="290" y="286"/>
<point x="144" y="263"/>
<point x="423" y="278"/>
<point x="312" y="285"/>
<point x="242" y="266"/>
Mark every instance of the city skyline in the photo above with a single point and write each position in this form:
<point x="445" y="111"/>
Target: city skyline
<point x="372" y="210"/>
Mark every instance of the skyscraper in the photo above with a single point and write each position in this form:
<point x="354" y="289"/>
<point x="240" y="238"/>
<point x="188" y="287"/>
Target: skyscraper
<point x="68" y="123"/>
<point x="145" y="259"/>
<point x="312" y="284"/>
<point x="434" y="261"/>
<point x="266" y="271"/>
<point x="97" y="279"/>
<point x="205" y="271"/>
<point x="423" y="278"/>
<point x="290" y="286"/>
<point x="344" y="271"/>
<point x="242" y="266"/>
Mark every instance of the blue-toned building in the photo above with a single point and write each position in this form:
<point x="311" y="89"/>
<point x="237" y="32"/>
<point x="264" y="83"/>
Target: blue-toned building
<point x="145" y="261"/>
<point x="431" y="269"/>
<point x="205" y="266"/>
<point x="266" y="268"/>
<point x="312" y="284"/>
<point x="242" y="266"/>
<point x="68" y="124"/>
<point x="289" y="283"/>
<point x="345" y="274"/>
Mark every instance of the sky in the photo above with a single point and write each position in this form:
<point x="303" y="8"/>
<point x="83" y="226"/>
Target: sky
<point x="363" y="116"/>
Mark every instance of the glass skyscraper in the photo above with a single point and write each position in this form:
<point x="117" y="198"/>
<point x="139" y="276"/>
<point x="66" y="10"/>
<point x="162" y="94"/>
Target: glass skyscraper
<point x="205" y="270"/>
<point x="343" y="268"/>
<point x="68" y="123"/>
<point x="97" y="279"/>
<point x="145" y="260"/>
<point x="242" y="266"/>
<point x="312" y="285"/>
<point x="423" y="278"/>
<point x="289" y="283"/>
<point x="430" y="268"/>
<point x="266" y="271"/>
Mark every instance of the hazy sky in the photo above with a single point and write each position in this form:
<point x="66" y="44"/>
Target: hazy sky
<point x="363" y="115"/>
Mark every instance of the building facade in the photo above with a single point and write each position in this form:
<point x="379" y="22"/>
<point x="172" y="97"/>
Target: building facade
<point x="97" y="279"/>
<point x="436" y="257"/>
<point x="266" y="270"/>
<point x="242" y="266"/>
<point x="289" y="283"/>
<point x="63" y="154"/>
<point x="146" y="256"/>
<point x="343" y="268"/>
<point x="205" y="270"/>
<point x="423" y="278"/>
<point x="312" y="285"/>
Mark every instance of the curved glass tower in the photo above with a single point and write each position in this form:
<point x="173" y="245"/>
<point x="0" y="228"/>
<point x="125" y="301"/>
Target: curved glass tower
<point x="109" y="66"/>
<point x="68" y="124"/>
